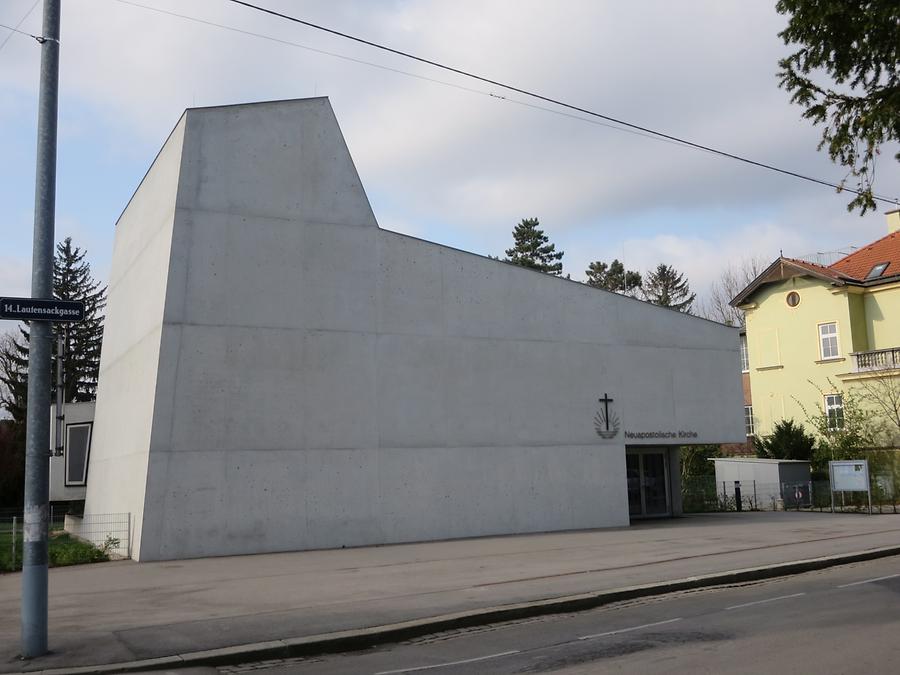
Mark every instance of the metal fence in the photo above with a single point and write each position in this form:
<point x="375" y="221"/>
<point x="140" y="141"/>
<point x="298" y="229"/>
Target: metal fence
<point x="56" y="515"/>
<point x="109" y="532"/>
<point x="10" y="546"/>
<point x="705" y="495"/>
<point x="109" y="535"/>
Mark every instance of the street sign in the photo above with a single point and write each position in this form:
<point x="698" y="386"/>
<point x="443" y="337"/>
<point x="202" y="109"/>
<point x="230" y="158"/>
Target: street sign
<point x="32" y="309"/>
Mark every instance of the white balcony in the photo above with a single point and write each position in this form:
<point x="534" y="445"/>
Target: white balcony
<point x="876" y="359"/>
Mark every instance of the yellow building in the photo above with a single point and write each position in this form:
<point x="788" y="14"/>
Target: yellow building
<point x="813" y="331"/>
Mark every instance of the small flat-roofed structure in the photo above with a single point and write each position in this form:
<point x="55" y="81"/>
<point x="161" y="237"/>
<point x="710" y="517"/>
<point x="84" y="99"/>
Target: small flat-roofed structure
<point x="769" y="483"/>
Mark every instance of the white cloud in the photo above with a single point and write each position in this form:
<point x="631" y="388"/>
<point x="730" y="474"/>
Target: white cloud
<point x="15" y="276"/>
<point x="701" y="259"/>
<point x="463" y="168"/>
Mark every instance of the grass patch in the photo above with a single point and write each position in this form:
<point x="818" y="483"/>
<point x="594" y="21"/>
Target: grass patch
<point x="6" y="551"/>
<point x="63" y="549"/>
<point x="66" y="550"/>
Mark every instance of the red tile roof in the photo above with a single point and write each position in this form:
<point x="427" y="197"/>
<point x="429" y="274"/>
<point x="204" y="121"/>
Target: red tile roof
<point x="852" y="269"/>
<point x="858" y="264"/>
<point x="821" y="270"/>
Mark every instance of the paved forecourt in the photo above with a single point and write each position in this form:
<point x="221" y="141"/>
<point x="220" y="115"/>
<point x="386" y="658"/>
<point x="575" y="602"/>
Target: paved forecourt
<point x="124" y="611"/>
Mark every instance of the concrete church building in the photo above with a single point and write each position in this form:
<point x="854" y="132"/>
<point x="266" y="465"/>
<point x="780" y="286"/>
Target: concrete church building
<point x="279" y="373"/>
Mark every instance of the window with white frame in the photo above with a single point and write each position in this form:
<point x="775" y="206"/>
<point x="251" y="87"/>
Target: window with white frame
<point x="828" y="341"/>
<point x="834" y="411"/>
<point x="745" y="355"/>
<point x="77" y="451"/>
<point x="748" y="420"/>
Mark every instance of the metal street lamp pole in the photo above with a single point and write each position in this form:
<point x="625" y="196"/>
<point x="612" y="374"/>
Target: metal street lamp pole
<point x="37" y="438"/>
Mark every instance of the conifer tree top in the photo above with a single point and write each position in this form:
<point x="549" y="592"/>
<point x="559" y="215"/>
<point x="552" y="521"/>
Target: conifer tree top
<point x="665" y="286"/>
<point x="533" y="248"/>
<point x="613" y="277"/>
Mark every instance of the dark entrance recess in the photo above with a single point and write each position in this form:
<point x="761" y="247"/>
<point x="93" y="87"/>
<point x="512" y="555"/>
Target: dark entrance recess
<point x="648" y="483"/>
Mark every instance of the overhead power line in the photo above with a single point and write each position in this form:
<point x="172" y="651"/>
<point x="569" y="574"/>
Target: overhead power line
<point x="16" y="29"/>
<point x="380" y="66"/>
<point x="548" y="99"/>
<point x="39" y="38"/>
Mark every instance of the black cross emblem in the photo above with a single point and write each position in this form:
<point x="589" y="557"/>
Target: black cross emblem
<point x="606" y="400"/>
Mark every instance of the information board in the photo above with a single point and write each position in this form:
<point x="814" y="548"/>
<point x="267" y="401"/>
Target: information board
<point x="851" y="476"/>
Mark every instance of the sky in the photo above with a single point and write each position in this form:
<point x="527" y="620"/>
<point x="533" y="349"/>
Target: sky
<point x="442" y="157"/>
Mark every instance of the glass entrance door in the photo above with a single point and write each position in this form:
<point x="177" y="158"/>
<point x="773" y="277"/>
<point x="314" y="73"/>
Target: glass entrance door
<point x="655" y="483"/>
<point x="633" y="471"/>
<point x="648" y="483"/>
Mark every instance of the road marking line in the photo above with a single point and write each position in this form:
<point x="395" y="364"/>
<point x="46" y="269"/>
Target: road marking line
<point x="869" y="581"/>
<point x="628" y="630"/>
<point x="451" y="663"/>
<point x="761" y="602"/>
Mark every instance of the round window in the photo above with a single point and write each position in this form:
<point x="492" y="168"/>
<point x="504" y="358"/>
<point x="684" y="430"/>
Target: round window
<point x="793" y="299"/>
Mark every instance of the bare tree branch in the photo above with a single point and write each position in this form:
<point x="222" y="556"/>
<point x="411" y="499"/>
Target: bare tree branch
<point x="882" y="393"/>
<point x="735" y="278"/>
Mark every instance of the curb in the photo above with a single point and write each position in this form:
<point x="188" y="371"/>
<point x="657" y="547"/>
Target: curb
<point x="363" y="638"/>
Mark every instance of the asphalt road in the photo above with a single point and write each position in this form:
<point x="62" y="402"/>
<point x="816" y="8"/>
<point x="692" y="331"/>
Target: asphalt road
<point x="841" y="620"/>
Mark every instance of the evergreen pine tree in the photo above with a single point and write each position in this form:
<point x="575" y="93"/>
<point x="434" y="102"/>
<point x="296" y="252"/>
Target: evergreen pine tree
<point x="667" y="287"/>
<point x="13" y="378"/>
<point x="844" y="73"/>
<point x="72" y="280"/>
<point x="613" y="277"/>
<point x="533" y="248"/>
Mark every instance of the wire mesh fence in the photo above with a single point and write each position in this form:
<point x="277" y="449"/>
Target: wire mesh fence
<point x="10" y="546"/>
<point x="703" y="494"/>
<point x="108" y="531"/>
<point x="72" y="539"/>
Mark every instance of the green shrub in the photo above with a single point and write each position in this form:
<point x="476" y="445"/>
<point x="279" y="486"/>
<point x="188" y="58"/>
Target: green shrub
<point x="787" y="441"/>
<point x="62" y="549"/>
<point x="66" y="550"/>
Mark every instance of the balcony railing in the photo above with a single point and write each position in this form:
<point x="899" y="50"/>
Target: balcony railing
<point x="877" y="359"/>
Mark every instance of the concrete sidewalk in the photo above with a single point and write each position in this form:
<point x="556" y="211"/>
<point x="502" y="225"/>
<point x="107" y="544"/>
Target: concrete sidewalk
<point x="125" y="611"/>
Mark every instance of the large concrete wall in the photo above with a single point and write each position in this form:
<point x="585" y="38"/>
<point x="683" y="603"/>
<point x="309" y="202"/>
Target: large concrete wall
<point x="322" y="382"/>
<point x="130" y="357"/>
